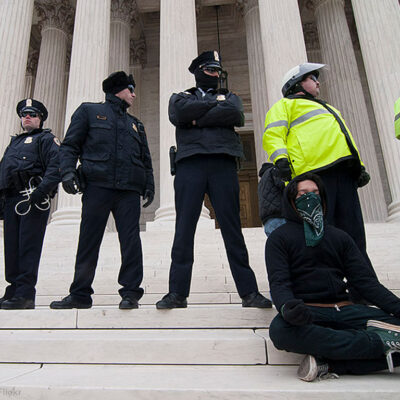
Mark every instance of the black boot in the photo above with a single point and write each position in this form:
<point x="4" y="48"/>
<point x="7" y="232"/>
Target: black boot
<point x="257" y="300"/>
<point x="69" y="302"/>
<point x="18" y="303"/>
<point x="171" y="300"/>
<point x="127" y="303"/>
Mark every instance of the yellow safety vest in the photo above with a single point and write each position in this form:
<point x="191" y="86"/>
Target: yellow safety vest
<point x="397" y="118"/>
<point x="307" y="134"/>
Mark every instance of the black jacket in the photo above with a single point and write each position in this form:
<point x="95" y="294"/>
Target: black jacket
<point x="37" y="154"/>
<point x="111" y="146"/>
<point x="270" y="189"/>
<point x="316" y="274"/>
<point x="214" y="116"/>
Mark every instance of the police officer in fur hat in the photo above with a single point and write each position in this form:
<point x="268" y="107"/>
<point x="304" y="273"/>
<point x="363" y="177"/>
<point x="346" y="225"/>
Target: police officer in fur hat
<point x="112" y="148"/>
<point x="29" y="174"/>
<point x="207" y="149"/>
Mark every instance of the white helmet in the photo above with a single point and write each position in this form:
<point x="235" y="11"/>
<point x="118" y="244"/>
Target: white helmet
<point x="296" y="75"/>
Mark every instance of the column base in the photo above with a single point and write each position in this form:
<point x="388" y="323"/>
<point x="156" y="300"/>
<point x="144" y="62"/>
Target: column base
<point x="394" y="212"/>
<point x="66" y="216"/>
<point x="165" y="220"/>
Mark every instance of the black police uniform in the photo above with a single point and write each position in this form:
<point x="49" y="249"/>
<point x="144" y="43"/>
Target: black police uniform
<point x="207" y="150"/>
<point x="112" y="148"/>
<point x="28" y="156"/>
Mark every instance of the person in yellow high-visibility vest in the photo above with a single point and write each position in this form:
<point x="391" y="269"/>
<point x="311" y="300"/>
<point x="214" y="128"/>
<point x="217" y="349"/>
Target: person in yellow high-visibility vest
<point x="305" y="134"/>
<point x="397" y="118"/>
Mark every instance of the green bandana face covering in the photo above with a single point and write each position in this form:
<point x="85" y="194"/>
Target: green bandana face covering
<point x="310" y="209"/>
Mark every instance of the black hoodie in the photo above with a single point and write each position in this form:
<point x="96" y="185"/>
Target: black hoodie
<point x="316" y="274"/>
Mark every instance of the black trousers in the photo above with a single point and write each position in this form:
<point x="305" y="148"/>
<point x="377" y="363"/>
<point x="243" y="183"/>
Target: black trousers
<point x="215" y="175"/>
<point x="97" y="203"/>
<point x="23" y="241"/>
<point x="339" y="337"/>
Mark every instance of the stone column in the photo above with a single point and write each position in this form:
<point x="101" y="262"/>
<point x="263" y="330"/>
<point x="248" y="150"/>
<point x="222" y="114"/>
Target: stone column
<point x="56" y="21"/>
<point x="15" y="30"/>
<point x="378" y="27"/>
<point x="346" y="93"/>
<point x="89" y="67"/>
<point x="283" y="48"/>
<point x="258" y="86"/>
<point x="178" y="47"/>
<point x="31" y="67"/>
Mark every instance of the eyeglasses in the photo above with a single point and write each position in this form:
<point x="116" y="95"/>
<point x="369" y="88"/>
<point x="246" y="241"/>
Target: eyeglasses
<point x="131" y="88"/>
<point x="313" y="78"/>
<point x="211" y="70"/>
<point x="32" y="114"/>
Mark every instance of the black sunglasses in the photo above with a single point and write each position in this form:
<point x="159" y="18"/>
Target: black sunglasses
<point x="131" y="88"/>
<point x="32" y="114"/>
<point x="212" y="69"/>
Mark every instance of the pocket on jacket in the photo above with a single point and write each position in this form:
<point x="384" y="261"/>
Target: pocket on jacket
<point x="95" y="166"/>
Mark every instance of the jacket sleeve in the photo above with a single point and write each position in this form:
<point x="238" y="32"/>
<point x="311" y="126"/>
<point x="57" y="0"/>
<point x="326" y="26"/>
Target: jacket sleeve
<point x="278" y="268"/>
<point x="147" y="161"/>
<point x="227" y="113"/>
<point x="360" y="276"/>
<point x="50" y="155"/>
<point x="275" y="132"/>
<point x="184" y="108"/>
<point x="75" y="136"/>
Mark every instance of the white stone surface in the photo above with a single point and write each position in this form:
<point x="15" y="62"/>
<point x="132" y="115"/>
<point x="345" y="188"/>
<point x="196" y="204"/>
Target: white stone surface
<point x="15" y="32"/>
<point x="179" y="346"/>
<point x="80" y="382"/>
<point x="378" y="26"/>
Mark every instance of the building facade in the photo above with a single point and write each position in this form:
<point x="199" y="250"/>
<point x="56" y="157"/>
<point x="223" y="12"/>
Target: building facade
<point x="59" y="51"/>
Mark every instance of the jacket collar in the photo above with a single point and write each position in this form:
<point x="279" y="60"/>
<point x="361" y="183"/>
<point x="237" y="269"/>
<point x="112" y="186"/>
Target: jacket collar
<point x="116" y="103"/>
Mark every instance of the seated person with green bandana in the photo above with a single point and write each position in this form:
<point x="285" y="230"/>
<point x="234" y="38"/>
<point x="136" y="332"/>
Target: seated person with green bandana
<point x="310" y="267"/>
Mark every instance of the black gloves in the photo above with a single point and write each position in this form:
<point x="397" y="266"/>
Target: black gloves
<point x="149" y="196"/>
<point x="37" y="197"/>
<point x="364" y="177"/>
<point x="70" y="183"/>
<point x="284" y="169"/>
<point x="296" y="313"/>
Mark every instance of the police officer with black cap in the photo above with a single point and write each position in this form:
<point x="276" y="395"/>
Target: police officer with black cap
<point x="29" y="174"/>
<point x="207" y="150"/>
<point x="112" y="148"/>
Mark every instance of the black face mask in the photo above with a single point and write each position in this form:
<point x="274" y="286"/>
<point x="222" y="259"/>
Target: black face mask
<point x="205" y="81"/>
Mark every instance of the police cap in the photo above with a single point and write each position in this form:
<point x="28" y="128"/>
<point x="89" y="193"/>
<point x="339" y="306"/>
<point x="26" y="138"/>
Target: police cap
<point x="117" y="81"/>
<point x="205" y="59"/>
<point x="32" y="105"/>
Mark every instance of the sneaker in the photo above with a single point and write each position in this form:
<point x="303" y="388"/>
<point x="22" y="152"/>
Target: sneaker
<point x="18" y="303"/>
<point x="128" y="303"/>
<point x="390" y="336"/>
<point x="256" y="299"/>
<point x="171" y="300"/>
<point x="67" y="303"/>
<point x="311" y="368"/>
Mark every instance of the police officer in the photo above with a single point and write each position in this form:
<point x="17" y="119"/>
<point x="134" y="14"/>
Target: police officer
<point x="207" y="149"/>
<point x="112" y="148"/>
<point x="305" y="134"/>
<point x="29" y="174"/>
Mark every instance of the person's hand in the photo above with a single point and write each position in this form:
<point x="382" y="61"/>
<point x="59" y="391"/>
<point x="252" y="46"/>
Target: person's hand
<point x="296" y="313"/>
<point x="37" y="197"/>
<point x="149" y="196"/>
<point x="70" y="183"/>
<point x="284" y="169"/>
<point x="364" y="177"/>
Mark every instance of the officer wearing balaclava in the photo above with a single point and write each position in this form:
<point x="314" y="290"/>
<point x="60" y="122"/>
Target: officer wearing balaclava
<point x="207" y="150"/>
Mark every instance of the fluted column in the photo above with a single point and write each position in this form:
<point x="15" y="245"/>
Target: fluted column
<point x="346" y="93"/>
<point x="15" y="30"/>
<point x="56" y="21"/>
<point x="178" y="47"/>
<point x="258" y="86"/>
<point x="283" y="47"/>
<point x="31" y="67"/>
<point x="378" y="27"/>
<point x="89" y="67"/>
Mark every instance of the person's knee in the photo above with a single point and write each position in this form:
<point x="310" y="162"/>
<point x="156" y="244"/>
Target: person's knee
<point x="278" y="333"/>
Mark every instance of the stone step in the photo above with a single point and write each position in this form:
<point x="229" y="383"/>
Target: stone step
<point x="167" y="382"/>
<point x="146" y="317"/>
<point x="126" y="346"/>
